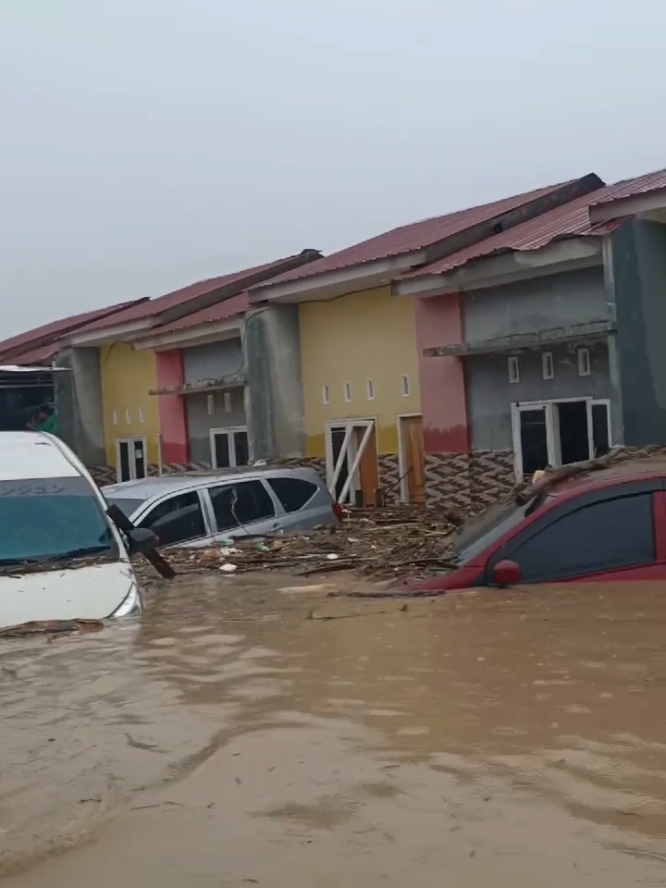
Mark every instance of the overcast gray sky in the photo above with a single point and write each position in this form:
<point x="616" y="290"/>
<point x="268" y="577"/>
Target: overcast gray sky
<point x="150" y="143"/>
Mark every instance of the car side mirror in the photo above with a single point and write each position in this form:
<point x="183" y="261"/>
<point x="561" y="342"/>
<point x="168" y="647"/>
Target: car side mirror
<point x="142" y="539"/>
<point x="506" y="573"/>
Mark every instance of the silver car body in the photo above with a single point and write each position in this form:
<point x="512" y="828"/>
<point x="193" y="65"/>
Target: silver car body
<point x="202" y="508"/>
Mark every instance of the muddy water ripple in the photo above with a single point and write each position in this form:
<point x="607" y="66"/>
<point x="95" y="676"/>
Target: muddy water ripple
<point x="252" y="731"/>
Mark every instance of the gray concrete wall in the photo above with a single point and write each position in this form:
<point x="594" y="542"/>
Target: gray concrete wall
<point x="490" y="394"/>
<point x="200" y="421"/>
<point x="575" y="297"/>
<point x="213" y="361"/>
<point x="274" y="396"/>
<point x="639" y="273"/>
<point x="78" y="397"/>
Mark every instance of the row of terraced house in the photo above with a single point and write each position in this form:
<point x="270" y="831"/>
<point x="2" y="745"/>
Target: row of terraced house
<point x="437" y="362"/>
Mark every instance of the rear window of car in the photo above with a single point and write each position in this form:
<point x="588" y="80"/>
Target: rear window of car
<point x="293" y="493"/>
<point x="127" y="506"/>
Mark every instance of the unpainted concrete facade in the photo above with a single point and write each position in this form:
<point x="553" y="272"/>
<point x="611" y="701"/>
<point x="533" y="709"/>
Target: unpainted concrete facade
<point x="274" y="390"/>
<point x="637" y="270"/>
<point x="562" y="302"/>
<point x="78" y="398"/>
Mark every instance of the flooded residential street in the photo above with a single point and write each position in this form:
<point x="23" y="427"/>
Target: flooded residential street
<point x="252" y="731"/>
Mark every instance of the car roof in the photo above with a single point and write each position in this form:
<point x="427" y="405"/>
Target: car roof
<point x="157" y="485"/>
<point x="33" y="455"/>
<point x="637" y="469"/>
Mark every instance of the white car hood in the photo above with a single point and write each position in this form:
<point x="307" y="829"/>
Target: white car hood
<point x="92" y="592"/>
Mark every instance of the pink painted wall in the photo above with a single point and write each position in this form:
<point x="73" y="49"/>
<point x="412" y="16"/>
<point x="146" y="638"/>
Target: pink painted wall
<point x="443" y="404"/>
<point x="173" y="422"/>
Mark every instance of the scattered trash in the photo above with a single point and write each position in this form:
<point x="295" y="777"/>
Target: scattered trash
<point x="383" y="543"/>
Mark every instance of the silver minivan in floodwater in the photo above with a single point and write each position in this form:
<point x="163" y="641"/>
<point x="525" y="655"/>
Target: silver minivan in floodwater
<point x="203" y="508"/>
<point x="61" y="556"/>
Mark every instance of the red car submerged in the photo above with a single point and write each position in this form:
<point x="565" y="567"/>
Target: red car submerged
<point x="606" y="525"/>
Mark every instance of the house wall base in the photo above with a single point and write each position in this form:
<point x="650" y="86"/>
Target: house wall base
<point x="468" y="482"/>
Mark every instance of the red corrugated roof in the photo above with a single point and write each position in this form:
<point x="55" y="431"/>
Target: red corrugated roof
<point x="43" y="355"/>
<point x="417" y="236"/>
<point x="221" y="311"/>
<point x="632" y="187"/>
<point x="153" y="308"/>
<point x="570" y="220"/>
<point x="50" y="332"/>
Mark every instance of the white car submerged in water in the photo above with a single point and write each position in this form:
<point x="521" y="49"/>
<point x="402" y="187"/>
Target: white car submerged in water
<point x="61" y="556"/>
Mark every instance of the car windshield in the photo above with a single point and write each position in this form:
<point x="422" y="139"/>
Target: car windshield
<point x="128" y="506"/>
<point x="476" y="535"/>
<point x="51" y="518"/>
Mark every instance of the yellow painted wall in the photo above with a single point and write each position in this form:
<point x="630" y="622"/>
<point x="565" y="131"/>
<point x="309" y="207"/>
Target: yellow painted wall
<point x="368" y="335"/>
<point x="127" y="376"/>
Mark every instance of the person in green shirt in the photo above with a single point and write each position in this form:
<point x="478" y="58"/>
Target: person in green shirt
<point x="45" y="420"/>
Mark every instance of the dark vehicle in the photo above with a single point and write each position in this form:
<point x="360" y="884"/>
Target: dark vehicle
<point x="607" y="525"/>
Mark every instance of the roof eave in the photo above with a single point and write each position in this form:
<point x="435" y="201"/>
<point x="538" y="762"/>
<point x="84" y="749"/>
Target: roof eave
<point x="108" y="335"/>
<point x="191" y="336"/>
<point x="635" y="205"/>
<point x="505" y="268"/>
<point x="330" y="284"/>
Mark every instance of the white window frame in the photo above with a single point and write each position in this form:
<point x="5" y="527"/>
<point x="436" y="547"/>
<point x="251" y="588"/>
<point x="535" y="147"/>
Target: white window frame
<point x="513" y="369"/>
<point x="584" y="363"/>
<point x="131" y="441"/>
<point x="351" y="448"/>
<point x="325" y="394"/>
<point x="347" y="392"/>
<point x="406" y="386"/>
<point x="232" y="445"/>
<point x="552" y="429"/>
<point x="370" y="389"/>
<point x="547" y="365"/>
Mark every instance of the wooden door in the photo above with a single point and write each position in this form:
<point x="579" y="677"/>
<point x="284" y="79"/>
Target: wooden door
<point x="413" y="458"/>
<point x="368" y="469"/>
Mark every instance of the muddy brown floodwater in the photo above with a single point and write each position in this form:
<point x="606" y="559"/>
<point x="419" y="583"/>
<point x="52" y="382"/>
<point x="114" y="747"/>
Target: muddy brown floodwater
<point x="250" y="731"/>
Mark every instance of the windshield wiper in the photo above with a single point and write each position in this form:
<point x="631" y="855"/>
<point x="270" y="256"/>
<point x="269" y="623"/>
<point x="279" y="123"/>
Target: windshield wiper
<point x="14" y="565"/>
<point x="74" y="553"/>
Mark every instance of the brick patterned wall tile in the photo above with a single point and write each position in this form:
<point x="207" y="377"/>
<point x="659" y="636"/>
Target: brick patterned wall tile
<point x="492" y="476"/>
<point x="448" y="481"/>
<point x="389" y="478"/>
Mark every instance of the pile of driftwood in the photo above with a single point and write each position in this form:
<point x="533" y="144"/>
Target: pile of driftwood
<point x="380" y="543"/>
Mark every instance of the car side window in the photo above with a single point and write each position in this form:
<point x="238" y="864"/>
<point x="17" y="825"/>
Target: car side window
<point x="177" y="519"/>
<point x="293" y="493"/>
<point x="606" y="535"/>
<point x="235" y="505"/>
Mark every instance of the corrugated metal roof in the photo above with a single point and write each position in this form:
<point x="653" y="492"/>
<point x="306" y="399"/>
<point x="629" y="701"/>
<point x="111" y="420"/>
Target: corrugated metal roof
<point x="632" y="187"/>
<point x="48" y="333"/>
<point x="153" y="308"/>
<point x="570" y="220"/>
<point x="221" y="311"/>
<point x="416" y="236"/>
<point x="41" y="355"/>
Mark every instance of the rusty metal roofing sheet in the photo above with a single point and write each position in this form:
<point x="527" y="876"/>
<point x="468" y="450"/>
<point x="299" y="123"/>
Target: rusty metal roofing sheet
<point x="50" y="332"/>
<point x="632" y="187"/>
<point x="570" y="220"/>
<point x="41" y="355"/>
<point x="221" y="311"/>
<point x="155" y="307"/>
<point x="410" y="238"/>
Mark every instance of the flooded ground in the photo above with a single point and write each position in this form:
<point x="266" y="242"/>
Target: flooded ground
<point x="251" y="731"/>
